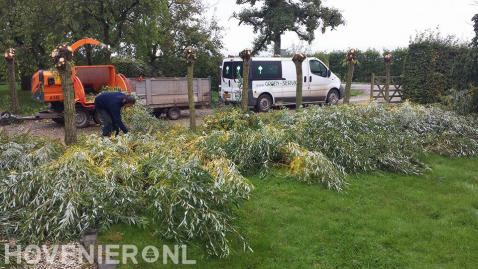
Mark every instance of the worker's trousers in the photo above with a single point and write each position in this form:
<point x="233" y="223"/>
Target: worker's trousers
<point x="107" y="125"/>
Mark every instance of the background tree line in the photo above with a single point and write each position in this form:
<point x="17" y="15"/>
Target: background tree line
<point x="369" y="61"/>
<point x="145" y="37"/>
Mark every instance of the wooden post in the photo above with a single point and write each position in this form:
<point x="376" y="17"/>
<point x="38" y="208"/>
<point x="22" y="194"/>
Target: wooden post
<point x="298" y="59"/>
<point x="388" y="61"/>
<point x="12" y="84"/>
<point x="62" y="57"/>
<point x="190" y="55"/>
<point x="246" y="59"/>
<point x="351" y="61"/>
<point x="372" y="87"/>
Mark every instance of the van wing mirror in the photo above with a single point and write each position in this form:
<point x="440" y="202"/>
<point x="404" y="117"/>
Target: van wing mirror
<point x="329" y="73"/>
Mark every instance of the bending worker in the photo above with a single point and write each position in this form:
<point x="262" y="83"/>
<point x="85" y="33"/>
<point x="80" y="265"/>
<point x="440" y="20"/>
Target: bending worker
<point x="108" y="105"/>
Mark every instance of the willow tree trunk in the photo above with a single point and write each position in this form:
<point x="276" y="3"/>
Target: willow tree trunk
<point x="245" y="86"/>
<point x="12" y="84"/>
<point x="277" y="45"/>
<point x="192" y="108"/>
<point x="69" y="104"/>
<point x="348" y="86"/>
<point x="299" y="85"/>
<point x="387" y="82"/>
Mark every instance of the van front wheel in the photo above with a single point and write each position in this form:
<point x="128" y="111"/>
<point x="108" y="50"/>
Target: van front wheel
<point x="333" y="97"/>
<point x="264" y="103"/>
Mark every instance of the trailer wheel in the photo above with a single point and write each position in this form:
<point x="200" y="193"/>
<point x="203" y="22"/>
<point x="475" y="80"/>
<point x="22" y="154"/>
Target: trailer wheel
<point x="82" y="119"/>
<point x="5" y="115"/>
<point x="174" y="113"/>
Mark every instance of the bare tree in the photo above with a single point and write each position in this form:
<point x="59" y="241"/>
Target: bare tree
<point x="62" y="57"/>
<point x="351" y="60"/>
<point x="298" y="59"/>
<point x="246" y="58"/>
<point x="12" y="84"/>
<point x="191" y="57"/>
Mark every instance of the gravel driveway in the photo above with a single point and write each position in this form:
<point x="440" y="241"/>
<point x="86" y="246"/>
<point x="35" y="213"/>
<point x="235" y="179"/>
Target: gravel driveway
<point x="47" y="128"/>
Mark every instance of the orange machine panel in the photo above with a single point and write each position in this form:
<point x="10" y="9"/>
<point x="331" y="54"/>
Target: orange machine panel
<point x="46" y="85"/>
<point x="95" y="77"/>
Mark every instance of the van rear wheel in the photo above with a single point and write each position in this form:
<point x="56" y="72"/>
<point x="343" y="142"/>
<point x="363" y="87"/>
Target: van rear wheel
<point x="264" y="103"/>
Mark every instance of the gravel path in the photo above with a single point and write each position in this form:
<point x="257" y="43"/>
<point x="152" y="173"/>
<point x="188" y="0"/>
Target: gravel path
<point x="47" y="128"/>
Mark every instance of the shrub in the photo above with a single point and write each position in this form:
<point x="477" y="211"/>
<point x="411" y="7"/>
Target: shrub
<point x="436" y="64"/>
<point x="462" y="101"/>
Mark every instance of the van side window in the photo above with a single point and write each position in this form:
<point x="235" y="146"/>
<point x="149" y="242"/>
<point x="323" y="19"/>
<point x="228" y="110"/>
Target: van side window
<point x="232" y="70"/>
<point x="266" y="70"/>
<point x="317" y="68"/>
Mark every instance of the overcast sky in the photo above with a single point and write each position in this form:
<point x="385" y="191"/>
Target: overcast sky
<point x="380" y="24"/>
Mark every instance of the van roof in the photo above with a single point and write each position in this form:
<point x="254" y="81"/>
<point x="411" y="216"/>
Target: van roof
<point x="233" y="59"/>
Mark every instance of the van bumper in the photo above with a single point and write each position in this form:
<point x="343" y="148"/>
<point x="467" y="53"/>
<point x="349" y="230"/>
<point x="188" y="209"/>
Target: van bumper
<point x="233" y="97"/>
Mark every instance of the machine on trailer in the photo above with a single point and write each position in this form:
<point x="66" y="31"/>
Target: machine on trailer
<point x="87" y="80"/>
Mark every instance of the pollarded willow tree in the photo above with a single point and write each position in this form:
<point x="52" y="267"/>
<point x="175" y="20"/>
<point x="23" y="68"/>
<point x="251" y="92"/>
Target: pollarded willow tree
<point x="272" y="18"/>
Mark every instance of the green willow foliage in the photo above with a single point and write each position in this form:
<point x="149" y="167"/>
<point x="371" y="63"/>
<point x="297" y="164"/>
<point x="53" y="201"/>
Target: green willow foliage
<point x="51" y="192"/>
<point x="354" y="138"/>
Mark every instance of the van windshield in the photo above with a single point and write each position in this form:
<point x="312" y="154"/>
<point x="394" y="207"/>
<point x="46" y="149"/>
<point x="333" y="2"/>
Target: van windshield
<point x="232" y="70"/>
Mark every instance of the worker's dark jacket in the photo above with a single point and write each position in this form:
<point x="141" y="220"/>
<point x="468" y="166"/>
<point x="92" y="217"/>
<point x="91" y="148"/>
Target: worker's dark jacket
<point x="112" y="102"/>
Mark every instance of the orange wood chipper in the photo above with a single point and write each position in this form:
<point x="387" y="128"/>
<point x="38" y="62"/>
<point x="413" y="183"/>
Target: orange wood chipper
<point x="87" y="81"/>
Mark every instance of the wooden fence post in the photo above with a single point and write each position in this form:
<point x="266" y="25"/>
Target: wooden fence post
<point x="12" y="84"/>
<point x="388" y="62"/>
<point x="372" y="87"/>
<point x="62" y="57"/>
<point x="351" y="61"/>
<point x="246" y="58"/>
<point x="298" y="59"/>
<point x="190" y="55"/>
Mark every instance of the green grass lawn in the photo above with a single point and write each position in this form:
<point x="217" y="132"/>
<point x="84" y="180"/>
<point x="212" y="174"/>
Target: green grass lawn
<point x="355" y="93"/>
<point x="28" y="105"/>
<point x="380" y="221"/>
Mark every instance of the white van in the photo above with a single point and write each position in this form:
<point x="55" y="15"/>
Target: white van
<point x="272" y="82"/>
